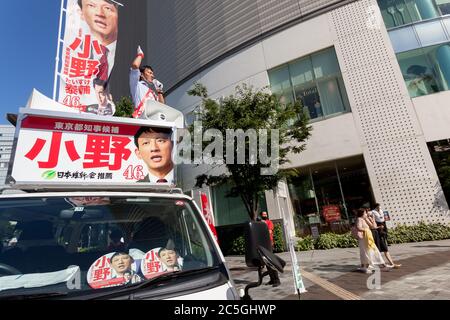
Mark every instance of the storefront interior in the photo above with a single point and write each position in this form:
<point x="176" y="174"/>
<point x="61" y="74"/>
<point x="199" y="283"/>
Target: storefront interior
<point x="326" y="195"/>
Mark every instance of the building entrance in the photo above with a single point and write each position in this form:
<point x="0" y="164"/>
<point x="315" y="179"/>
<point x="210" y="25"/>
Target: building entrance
<point x="326" y="195"/>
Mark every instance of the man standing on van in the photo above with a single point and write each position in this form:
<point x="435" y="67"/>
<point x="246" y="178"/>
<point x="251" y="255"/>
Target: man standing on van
<point x="143" y="85"/>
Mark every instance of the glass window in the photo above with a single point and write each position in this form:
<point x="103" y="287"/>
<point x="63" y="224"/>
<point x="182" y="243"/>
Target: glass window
<point x="231" y="210"/>
<point x="426" y="70"/>
<point x="281" y="84"/>
<point x="331" y="98"/>
<point x="309" y="96"/>
<point x="316" y="81"/>
<point x="440" y="153"/>
<point x="330" y="192"/>
<point x="430" y="33"/>
<point x="301" y="72"/>
<point x="400" y="12"/>
<point x="404" y="39"/>
<point x="446" y="22"/>
<point x="443" y="6"/>
<point x="325" y="64"/>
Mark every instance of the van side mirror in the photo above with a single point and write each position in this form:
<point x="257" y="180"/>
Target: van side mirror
<point x="256" y="235"/>
<point x="271" y="260"/>
<point x="258" y="253"/>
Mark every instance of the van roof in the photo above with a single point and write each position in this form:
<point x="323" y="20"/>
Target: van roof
<point x="176" y="195"/>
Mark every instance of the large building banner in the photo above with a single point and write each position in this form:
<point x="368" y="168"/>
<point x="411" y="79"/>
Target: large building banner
<point x="90" y="40"/>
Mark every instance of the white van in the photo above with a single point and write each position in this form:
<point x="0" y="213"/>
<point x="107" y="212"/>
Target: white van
<point x="75" y="224"/>
<point x="80" y="245"/>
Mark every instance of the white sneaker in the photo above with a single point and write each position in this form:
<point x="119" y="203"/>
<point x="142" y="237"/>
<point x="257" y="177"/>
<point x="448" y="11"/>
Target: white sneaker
<point x="364" y="270"/>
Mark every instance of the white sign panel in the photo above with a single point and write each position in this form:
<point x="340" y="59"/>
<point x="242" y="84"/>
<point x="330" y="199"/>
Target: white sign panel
<point x="51" y="150"/>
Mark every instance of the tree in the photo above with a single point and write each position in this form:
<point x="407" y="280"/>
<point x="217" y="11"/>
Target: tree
<point x="124" y="108"/>
<point x="258" y="110"/>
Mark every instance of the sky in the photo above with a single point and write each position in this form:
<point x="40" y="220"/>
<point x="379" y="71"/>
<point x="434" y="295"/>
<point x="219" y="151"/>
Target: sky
<point x="28" y="50"/>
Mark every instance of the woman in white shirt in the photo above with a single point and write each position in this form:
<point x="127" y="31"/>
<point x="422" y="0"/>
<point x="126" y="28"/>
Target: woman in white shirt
<point x="378" y="215"/>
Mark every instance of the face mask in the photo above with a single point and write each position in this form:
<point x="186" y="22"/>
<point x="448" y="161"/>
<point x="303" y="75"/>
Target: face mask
<point x="264" y="218"/>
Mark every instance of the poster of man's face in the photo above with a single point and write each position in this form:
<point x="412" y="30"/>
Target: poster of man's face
<point x="155" y="146"/>
<point x="89" y="50"/>
<point x="102" y="17"/>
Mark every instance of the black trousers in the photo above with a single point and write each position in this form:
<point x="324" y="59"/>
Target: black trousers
<point x="383" y="234"/>
<point x="273" y="274"/>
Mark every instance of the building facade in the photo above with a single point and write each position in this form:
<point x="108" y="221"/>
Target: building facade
<point x="373" y="76"/>
<point x="6" y="143"/>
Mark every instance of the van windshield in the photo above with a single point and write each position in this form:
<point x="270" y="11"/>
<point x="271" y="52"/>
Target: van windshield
<point x="78" y="245"/>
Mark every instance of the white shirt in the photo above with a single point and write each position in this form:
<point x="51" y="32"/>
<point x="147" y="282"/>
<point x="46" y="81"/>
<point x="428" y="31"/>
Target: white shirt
<point x="379" y="215"/>
<point x="139" y="89"/>
<point x="169" y="177"/>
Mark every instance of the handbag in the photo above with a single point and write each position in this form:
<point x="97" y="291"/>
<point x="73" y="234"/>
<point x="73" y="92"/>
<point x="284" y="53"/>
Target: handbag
<point x="356" y="233"/>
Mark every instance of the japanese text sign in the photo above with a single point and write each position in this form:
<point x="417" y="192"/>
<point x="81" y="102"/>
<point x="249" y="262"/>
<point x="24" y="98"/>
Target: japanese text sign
<point x="331" y="213"/>
<point x="54" y="150"/>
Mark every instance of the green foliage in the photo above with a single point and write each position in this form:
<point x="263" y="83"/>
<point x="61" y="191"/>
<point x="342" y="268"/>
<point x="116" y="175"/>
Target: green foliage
<point x="250" y="109"/>
<point x="326" y="241"/>
<point x="124" y="108"/>
<point x="305" y="244"/>
<point x="418" y="233"/>
<point x="346" y="240"/>
<point x="238" y="246"/>
<point x="400" y="234"/>
<point x="278" y="241"/>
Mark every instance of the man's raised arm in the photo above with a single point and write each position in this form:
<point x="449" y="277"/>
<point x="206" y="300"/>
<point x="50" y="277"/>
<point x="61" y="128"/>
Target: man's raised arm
<point x="138" y="60"/>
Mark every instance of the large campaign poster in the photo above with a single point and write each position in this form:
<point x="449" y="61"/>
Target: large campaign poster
<point x="72" y="150"/>
<point x="90" y="41"/>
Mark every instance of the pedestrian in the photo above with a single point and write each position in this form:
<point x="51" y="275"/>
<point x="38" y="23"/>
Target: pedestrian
<point x="274" y="278"/>
<point x="373" y="227"/>
<point x="369" y="254"/>
<point x="380" y="220"/>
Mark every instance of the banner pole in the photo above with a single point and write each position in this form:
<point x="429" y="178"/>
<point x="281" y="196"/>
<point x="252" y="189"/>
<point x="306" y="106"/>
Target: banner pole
<point x="281" y="192"/>
<point x="58" y="50"/>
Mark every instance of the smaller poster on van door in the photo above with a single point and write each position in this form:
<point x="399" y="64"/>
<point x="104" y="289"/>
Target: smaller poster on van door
<point x="113" y="269"/>
<point x="331" y="213"/>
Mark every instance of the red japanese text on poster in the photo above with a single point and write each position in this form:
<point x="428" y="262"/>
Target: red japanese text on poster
<point x="151" y="266"/>
<point x="331" y="213"/>
<point x="90" y="41"/>
<point x="113" y="269"/>
<point x="56" y="150"/>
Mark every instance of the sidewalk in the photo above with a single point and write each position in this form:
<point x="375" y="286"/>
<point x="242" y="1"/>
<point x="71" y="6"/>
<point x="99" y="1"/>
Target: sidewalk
<point x="331" y="275"/>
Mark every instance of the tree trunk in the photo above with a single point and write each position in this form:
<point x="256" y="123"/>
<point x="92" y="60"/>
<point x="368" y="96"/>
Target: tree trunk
<point x="248" y="207"/>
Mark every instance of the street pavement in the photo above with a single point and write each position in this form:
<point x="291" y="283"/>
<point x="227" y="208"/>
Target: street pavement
<point x="333" y="275"/>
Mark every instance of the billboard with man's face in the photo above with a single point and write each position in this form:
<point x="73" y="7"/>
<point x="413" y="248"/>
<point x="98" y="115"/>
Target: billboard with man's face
<point x="90" y="41"/>
<point x="76" y="150"/>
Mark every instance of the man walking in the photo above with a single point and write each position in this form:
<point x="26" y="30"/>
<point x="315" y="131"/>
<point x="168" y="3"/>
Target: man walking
<point x="274" y="279"/>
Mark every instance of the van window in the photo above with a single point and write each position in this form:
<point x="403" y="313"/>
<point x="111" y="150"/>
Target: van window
<point x="83" y="244"/>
